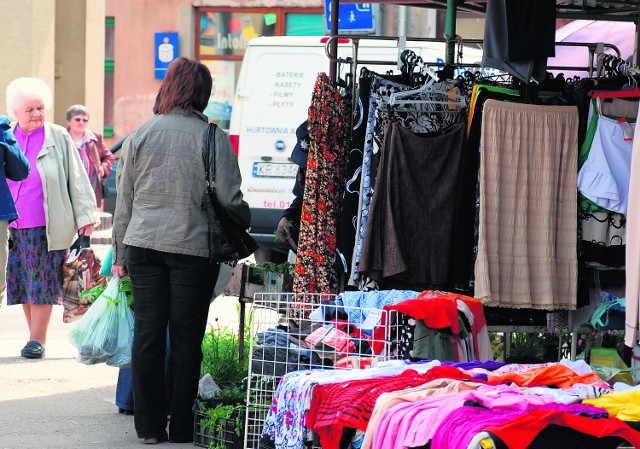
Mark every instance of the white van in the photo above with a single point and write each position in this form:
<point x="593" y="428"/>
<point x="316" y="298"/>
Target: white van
<point x="272" y="99"/>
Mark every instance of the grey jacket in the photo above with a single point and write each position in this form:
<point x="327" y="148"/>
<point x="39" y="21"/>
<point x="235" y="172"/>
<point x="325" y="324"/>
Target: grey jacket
<point x="160" y="184"/>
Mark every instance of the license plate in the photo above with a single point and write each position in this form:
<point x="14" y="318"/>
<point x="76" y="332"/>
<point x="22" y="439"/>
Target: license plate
<point x="274" y="170"/>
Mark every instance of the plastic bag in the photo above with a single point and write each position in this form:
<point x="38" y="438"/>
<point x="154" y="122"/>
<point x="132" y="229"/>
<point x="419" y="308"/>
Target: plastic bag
<point x="104" y="333"/>
<point x="121" y="356"/>
<point x="81" y="272"/>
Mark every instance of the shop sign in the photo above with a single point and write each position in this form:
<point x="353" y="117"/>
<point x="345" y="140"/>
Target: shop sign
<point x="166" y="50"/>
<point x="352" y="17"/>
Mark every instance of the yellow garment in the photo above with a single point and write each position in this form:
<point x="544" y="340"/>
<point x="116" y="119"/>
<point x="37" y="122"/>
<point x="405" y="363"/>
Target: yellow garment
<point x="487" y="443"/>
<point x="472" y="106"/>
<point x="624" y="405"/>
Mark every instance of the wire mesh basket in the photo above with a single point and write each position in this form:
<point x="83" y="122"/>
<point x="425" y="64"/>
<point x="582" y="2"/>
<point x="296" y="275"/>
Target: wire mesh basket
<point x="293" y="332"/>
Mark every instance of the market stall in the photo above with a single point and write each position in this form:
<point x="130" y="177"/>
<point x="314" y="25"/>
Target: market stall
<point x="442" y="245"/>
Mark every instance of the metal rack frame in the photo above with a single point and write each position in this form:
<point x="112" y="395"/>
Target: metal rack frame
<point x="271" y="358"/>
<point x="613" y="10"/>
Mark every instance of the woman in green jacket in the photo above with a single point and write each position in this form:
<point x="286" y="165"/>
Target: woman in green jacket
<point x="160" y="234"/>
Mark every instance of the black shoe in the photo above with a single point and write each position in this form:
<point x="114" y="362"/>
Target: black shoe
<point x="125" y="411"/>
<point x="32" y="350"/>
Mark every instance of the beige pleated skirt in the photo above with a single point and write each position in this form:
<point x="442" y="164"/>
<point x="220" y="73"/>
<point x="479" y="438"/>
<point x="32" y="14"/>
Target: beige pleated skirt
<point x="527" y="256"/>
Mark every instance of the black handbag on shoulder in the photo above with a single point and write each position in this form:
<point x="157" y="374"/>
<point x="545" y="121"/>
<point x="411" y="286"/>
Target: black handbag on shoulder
<point x="227" y="241"/>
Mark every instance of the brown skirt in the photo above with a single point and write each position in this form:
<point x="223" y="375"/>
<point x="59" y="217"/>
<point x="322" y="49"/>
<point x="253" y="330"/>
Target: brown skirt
<point x="408" y="236"/>
<point x="528" y="207"/>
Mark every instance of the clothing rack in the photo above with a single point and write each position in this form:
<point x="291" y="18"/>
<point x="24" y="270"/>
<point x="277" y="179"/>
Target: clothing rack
<point x="615" y="62"/>
<point x="593" y="48"/>
<point x="628" y="11"/>
<point x="402" y="45"/>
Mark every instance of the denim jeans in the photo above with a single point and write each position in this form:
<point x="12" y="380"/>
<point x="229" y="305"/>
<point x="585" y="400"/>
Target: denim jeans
<point x="124" y="390"/>
<point x="169" y="290"/>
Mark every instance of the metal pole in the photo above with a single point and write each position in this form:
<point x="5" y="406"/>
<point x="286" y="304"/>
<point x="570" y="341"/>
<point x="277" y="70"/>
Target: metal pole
<point x="450" y="31"/>
<point x="402" y="20"/>
<point x="333" y="49"/>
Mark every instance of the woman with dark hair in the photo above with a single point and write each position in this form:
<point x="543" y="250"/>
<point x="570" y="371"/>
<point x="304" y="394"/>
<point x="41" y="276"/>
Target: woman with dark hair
<point x="160" y="236"/>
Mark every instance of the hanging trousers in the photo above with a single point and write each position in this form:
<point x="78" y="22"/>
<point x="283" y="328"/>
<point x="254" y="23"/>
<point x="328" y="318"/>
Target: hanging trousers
<point x="174" y="290"/>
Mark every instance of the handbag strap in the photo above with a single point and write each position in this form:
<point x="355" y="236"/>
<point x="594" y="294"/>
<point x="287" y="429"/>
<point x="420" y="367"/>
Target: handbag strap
<point x="209" y="156"/>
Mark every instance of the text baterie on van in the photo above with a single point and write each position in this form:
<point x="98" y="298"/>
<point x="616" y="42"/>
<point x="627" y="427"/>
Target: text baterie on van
<point x="299" y="75"/>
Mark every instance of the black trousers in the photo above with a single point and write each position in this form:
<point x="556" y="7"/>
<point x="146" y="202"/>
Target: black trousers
<point x="174" y="290"/>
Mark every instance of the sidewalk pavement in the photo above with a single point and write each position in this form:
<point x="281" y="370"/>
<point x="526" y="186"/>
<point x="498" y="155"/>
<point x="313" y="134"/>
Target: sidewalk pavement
<point x="58" y="403"/>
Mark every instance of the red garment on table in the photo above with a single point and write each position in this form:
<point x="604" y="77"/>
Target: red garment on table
<point x="519" y="433"/>
<point x="436" y="313"/>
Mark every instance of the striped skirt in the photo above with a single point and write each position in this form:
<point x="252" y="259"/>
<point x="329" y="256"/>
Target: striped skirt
<point x="528" y="227"/>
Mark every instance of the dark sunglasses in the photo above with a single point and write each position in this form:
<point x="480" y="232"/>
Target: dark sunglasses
<point x="78" y="119"/>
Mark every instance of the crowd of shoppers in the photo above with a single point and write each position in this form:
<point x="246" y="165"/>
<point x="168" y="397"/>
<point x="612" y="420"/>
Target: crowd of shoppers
<point x="50" y="187"/>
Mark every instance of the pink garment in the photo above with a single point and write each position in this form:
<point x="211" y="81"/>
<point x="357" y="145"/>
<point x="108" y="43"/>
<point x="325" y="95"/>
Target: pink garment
<point x="414" y="424"/>
<point x="29" y="194"/>
<point x="458" y="429"/>
<point x="395" y="425"/>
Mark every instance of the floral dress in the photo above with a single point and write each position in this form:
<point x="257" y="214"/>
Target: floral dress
<point x="326" y="165"/>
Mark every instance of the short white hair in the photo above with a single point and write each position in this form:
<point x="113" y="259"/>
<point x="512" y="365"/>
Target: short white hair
<point x="21" y="89"/>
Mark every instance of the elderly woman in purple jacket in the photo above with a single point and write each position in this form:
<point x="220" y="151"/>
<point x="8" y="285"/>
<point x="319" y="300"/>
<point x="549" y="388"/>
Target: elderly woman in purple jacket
<point x="13" y="165"/>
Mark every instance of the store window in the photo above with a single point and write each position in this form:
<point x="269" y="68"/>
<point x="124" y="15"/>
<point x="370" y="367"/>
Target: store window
<point x="222" y="35"/>
<point x="304" y="25"/>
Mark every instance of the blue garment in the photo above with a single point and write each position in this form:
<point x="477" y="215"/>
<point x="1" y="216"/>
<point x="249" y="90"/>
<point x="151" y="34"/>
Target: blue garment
<point x="105" y="269"/>
<point x="13" y="165"/>
<point x="124" y="390"/>
<point x="358" y="304"/>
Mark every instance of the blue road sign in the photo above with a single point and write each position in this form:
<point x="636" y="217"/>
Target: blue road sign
<point x="354" y="17"/>
<point x="166" y="50"/>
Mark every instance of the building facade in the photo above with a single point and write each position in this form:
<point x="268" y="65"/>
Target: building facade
<point x="105" y="53"/>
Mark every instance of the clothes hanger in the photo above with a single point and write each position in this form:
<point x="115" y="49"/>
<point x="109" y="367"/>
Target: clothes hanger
<point x="400" y="101"/>
<point x="451" y="99"/>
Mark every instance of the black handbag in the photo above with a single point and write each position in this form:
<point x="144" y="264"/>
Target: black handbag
<point x="227" y="241"/>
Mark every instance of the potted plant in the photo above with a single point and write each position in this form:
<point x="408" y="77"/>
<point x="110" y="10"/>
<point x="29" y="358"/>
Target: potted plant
<point x="219" y="421"/>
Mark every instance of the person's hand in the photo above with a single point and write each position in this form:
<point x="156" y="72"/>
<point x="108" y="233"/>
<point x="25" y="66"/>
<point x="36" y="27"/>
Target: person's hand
<point x="118" y="270"/>
<point x="86" y="230"/>
<point x="282" y="231"/>
<point x="100" y="171"/>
